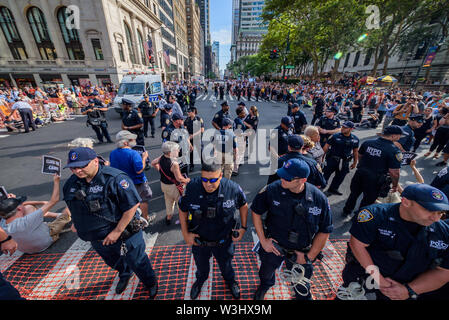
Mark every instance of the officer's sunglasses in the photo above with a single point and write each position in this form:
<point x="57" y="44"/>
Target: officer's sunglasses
<point x="77" y="168"/>
<point x="211" y="180"/>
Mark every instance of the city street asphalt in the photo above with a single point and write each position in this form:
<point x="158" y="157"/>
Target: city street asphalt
<point x="21" y="162"/>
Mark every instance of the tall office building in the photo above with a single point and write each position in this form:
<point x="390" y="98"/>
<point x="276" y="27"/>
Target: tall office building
<point x="216" y="50"/>
<point x="251" y="29"/>
<point x="235" y="27"/>
<point x="168" y="38"/>
<point x="205" y="19"/>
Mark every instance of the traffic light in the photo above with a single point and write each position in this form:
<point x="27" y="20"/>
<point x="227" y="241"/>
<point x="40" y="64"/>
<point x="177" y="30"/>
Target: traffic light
<point x="274" y="54"/>
<point x="151" y="59"/>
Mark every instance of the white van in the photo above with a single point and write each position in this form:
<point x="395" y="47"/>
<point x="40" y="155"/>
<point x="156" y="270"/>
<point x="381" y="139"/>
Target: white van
<point x="133" y="87"/>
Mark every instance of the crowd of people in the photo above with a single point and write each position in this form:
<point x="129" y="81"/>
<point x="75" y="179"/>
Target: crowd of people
<point x="109" y="201"/>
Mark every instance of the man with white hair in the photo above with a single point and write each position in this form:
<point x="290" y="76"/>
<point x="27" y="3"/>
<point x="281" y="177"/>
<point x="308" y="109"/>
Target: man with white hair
<point x="131" y="162"/>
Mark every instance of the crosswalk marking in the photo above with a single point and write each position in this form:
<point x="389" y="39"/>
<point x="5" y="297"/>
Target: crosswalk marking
<point x="8" y="260"/>
<point x="205" y="97"/>
<point x="150" y="240"/>
<point x="244" y="99"/>
<point x="231" y="98"/>
<point x="48" y="287"/>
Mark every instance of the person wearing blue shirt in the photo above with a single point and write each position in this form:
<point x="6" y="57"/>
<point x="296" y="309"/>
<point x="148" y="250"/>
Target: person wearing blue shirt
<point x="209" y="223"/>
<point x="407" y="242"/>
<point x="297" y="225"/>
<point x="132" y="163"/>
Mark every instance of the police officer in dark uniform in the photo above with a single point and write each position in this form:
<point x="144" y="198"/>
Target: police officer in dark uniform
<point x="8" y="246"/>
<point x="408" y="139"/>
<point x="218" y="117"/>
<point x="97" y="120"/>
<point x="441" y="181"/>
<point x="176" y="132"/>
<point x="297" y="225"/>
<point x="281" y="132"/>
<point x="340" y="149"/>
<point x="379" y="161"/>
<point x="299" y="119"/>
<point x="103" y="203"/>
<point x="328" y="124"/>
<point x="149" y="111"/>
<point x="131" y="121"/>
<point x="166" y="115"/>
<point x="295" y="144"/>
<point x="407" y="242"/>
<point x="207" y="213"/>
<point x="195" y="126"/>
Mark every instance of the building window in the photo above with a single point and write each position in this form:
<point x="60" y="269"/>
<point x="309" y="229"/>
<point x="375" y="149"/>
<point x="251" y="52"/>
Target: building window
<point x="142" y="50"/>
<point x="347" y="59"/>
<point x="97" y="49"/>
<point x="120" y="51"/>
<point x="368" y="57"/>
<point x="41" y="35"/>
<point x="129" y="42"/>
<point x="356" y="60"/>
<point x="70" y="36"/>
<point x="11" y="34"/>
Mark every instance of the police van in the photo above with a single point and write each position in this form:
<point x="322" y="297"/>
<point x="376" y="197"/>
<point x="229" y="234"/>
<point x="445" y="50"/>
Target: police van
<point x="134" y="86"/>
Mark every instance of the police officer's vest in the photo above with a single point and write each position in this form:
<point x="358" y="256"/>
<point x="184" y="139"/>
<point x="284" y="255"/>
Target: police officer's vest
<point x="98" y="214"/>
<point x="283" y="218"/>
<point x="403" y="264"/>
<point x="212" y="219"/>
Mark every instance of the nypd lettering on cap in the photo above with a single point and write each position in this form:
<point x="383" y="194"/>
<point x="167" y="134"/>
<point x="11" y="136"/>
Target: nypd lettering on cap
<point x="364" y="216"/>
<point x="124" y="184"/>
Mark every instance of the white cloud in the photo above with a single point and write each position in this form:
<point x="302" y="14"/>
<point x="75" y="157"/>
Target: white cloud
<point x="223" y="36"/>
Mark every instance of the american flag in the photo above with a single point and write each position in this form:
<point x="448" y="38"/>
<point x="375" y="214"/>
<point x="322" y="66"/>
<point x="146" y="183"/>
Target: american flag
<point x="148" y="49"/>
<point x="167" y="57"/>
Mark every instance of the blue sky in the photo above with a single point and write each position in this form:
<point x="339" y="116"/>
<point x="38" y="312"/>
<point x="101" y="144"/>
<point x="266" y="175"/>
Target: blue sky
<point x="220" y="28"/>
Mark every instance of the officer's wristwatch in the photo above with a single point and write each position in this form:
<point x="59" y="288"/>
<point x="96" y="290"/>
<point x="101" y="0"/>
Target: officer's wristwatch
<point x="411" y="294"/>
<point x="245" y="228"/>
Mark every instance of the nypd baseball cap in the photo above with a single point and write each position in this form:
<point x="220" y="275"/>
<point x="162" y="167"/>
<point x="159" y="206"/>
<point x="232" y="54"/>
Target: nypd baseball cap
<point x="127" y="102"/>
<point x="287" y="121"/>
<point x="393" y="130"/>
<point x="332" y="109"/>
<point x="293" y="168"/>
<point x="224" y="103"/>
<point x="416" y="117"/>
<point x="80" y="157"/>
<point x="295" y="141"/>
<point x="226" y="122"/>
<point x="295" y="105"/>
<point x="348" y="124"/>
<point x="427" y="196"/>
<point x="241" y="104"/>
<point x="177" y="116"/>
<point x="125" y="135"/>
<point x="8" y="205"/>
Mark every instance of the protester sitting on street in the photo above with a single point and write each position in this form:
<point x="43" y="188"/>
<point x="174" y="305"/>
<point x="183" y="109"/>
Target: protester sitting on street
<point x="171" y="176"/>
<point x="27" y="227"/>
<point x="11" y="125"/>
<point x="372" y="121"/>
